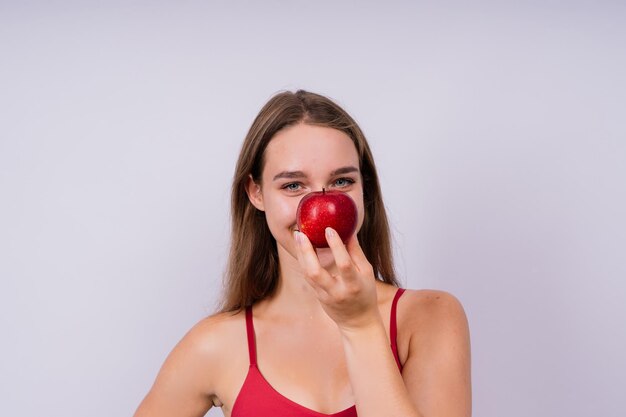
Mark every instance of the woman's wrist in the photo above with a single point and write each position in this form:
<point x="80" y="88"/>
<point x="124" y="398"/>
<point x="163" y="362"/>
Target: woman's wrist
<point x="363" y="328"/>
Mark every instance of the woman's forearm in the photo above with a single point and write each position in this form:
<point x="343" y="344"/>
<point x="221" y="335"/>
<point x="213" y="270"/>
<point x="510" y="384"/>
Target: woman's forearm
<point x="376" y="381"/>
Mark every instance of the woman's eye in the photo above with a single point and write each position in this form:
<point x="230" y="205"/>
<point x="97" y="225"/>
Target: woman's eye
<point x="292" y="186"/>
<point x="343" y="182"/>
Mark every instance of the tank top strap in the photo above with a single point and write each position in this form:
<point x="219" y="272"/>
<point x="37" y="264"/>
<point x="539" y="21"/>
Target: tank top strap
<point x="393" y="327"/>
<point x="250" y="334"/>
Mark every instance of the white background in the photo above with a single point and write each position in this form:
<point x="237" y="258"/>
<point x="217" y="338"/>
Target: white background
<point x="498" y="130"/>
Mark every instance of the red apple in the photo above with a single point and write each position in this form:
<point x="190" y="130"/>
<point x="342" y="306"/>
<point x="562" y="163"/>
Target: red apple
<point x="321" y="209"/>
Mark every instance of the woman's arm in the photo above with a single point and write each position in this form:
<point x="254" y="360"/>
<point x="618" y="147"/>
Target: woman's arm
<point x="436" y="377"/>
<point x="437" y="371"/>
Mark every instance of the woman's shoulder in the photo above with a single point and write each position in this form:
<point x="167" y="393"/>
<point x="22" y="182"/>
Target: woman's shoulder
<point x="420" y="302"/>
<point x="431" y="304"/>
<point x="431" y="311"/>
<point x="209" y="336"/>
<point x="195" y="372"/>
<point x="207" y="353"/>
<point x="431" y="298"/>
<point x="211" y="343"/>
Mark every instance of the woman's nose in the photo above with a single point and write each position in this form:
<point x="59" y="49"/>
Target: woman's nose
<point x="318" y="188"/>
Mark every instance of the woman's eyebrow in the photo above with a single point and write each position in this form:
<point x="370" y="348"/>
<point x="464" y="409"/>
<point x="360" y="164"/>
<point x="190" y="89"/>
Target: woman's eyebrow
<point x="300" y="174"/>
<point x="289" y="174"/>
<point x="344" y="170"/>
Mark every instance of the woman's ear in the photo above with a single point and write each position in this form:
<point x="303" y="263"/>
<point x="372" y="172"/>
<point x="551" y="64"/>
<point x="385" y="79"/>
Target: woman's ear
<point x="254" y="193"/>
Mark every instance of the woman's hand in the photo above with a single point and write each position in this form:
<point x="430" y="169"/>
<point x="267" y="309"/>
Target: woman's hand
<point x="347" y="292"/>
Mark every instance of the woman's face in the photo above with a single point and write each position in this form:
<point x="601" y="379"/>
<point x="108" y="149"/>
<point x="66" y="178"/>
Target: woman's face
<point x="298" y="160"/>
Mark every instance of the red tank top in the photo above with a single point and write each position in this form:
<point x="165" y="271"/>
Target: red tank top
<point x="258" y="398"/>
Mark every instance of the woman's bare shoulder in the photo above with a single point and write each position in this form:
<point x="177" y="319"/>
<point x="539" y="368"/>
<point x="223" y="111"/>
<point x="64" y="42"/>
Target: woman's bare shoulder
<point x="192" y="376"/>
<point x="430" y="296"/>
<point x="214" y="338"/>
<point x="431" y="311"/>
<point x="435" y="351"/>
<point x="211" y="330"/>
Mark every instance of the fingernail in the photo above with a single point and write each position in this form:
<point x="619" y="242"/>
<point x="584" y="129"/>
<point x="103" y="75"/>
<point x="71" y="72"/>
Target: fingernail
<point x="296" y="235"/>
<point x="330" y="232"/>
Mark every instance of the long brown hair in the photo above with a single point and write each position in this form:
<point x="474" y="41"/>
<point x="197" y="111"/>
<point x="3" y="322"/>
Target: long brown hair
<point x="253" y="267"/>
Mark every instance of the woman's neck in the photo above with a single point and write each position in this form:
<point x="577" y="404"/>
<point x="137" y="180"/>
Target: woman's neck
<point x="293" y="293"/>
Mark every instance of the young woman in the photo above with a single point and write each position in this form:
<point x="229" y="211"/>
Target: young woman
<point x="307" y="332"/>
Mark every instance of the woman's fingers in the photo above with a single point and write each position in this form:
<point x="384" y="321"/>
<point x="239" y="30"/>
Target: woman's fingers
<point x="343" y="261"/>
<point x="350" y="293"/>
<point x="357" y="255"/>
<point x="310" y="264"/>
<point x="351" y="266"/>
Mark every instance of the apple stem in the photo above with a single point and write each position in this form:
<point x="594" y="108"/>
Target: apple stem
<point x="323" y="190"/>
